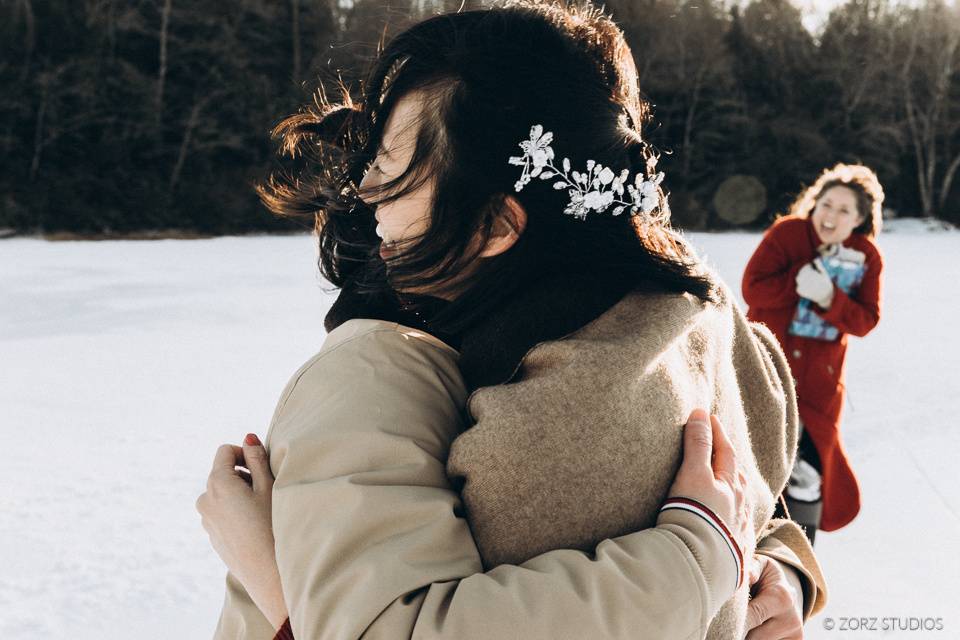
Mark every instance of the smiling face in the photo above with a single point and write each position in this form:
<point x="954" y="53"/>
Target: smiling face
<point x="835" y="215"/>
<point x="408" y="217"/>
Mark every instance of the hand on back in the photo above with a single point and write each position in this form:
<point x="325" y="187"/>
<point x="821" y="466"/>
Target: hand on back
<point x="710" y="475"/>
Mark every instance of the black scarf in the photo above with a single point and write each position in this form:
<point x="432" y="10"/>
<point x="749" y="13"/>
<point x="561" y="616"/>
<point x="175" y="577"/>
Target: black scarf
<point x="492" y="348"/>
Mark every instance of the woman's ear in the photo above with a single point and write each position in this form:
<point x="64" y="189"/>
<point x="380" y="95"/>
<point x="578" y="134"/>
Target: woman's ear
<point x="509" y="224"/>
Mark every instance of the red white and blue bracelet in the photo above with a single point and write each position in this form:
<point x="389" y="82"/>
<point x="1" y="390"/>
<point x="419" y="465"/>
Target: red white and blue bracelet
<point x="702" y="510"/>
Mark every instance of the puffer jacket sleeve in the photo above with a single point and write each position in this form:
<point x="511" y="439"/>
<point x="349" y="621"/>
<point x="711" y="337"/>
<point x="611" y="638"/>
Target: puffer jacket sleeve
<point x="371" y="541"/>
<point x="762" y="369"/>
<point x="240" y="618"/>
<point x="784" y="541"/>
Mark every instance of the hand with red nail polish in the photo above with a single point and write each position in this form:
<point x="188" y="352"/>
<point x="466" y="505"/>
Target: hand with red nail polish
<point x="235" y="510"/>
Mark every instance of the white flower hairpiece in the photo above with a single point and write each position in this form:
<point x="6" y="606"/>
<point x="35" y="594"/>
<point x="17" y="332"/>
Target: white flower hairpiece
<point x="594" y="190"/>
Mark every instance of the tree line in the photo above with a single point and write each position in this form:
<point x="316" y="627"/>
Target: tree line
<point x="118" y="116"/>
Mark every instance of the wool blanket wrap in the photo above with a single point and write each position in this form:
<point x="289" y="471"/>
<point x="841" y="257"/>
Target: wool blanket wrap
<point x="585" y="440"/>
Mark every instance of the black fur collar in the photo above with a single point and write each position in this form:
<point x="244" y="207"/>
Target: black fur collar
<point x="492" y="349"/>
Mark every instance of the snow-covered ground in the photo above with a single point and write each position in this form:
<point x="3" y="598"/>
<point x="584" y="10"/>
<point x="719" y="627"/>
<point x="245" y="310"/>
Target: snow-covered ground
<point x="124" y="364"/>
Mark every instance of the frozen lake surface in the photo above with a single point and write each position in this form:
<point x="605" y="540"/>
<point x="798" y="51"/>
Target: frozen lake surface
<point x="123" y="365"/>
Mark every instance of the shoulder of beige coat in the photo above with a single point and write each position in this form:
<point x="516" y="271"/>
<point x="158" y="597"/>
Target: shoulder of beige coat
<point x="354" y="334"/>
<point x="359" y="327"/>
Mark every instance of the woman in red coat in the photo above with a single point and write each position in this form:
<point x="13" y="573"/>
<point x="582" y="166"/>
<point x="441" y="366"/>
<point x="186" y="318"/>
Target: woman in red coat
<point x="814" y="279"/>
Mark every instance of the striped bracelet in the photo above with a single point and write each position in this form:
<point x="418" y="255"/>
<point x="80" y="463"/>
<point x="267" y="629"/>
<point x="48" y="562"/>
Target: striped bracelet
<point x="702" y="510"/>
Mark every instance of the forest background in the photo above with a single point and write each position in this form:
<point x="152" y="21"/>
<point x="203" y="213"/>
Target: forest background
<point x="131" y="117"/>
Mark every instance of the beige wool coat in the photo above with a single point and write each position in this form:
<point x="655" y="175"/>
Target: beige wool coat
<point x="585" y="443"/>
<point x="372" y="538"/>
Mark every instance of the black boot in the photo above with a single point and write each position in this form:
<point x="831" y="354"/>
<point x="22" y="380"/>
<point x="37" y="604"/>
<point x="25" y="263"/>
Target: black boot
<point x="802" y="494"/>
<point x="806" y="514"/>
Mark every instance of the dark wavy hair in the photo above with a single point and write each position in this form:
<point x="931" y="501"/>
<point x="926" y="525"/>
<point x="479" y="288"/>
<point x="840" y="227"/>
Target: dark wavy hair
<point x="488" y="76"/>
<point x="858" y="178"/>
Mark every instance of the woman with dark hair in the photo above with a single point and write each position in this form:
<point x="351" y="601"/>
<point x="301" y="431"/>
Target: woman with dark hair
<point x="520" y="352"/>
<point x="814" y="279"/>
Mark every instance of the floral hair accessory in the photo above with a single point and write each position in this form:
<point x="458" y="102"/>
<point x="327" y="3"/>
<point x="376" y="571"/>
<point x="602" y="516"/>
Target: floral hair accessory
<point x="594" y="190"/>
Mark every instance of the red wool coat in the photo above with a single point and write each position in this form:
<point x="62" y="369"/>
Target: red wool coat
<point x="769" y="289"/>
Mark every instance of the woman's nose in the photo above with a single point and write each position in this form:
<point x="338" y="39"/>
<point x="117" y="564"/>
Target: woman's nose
<point x="365" y="181"/>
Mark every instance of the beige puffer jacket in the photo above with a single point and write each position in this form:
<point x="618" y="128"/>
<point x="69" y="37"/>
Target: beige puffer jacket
<point x="372" y="540"/>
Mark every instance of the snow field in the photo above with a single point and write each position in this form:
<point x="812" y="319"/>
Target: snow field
<point x="123" y="365"/>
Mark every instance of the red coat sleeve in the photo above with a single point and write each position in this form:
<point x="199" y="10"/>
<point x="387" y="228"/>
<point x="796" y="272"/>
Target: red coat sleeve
<point x="859" y="313"/>
<point x="769" y="280"/>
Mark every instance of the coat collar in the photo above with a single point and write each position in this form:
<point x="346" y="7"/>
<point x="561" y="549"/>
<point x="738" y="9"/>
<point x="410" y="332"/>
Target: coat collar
<point x="491" y="350"/>
<point x="351" y="304"/>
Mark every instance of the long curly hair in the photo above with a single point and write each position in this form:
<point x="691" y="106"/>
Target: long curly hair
<point x="858" y="178"/>
<point x="487" y="76"/>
